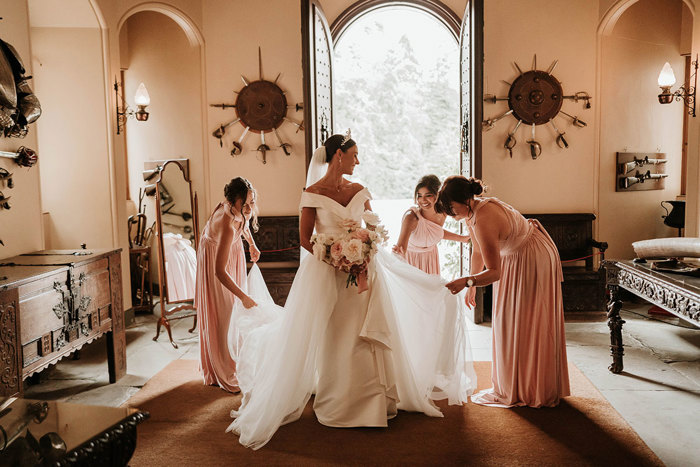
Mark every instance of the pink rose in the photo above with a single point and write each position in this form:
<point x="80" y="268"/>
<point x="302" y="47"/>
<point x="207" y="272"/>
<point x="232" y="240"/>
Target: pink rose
<point x="336" y="251"/>
<point x="360" y="234"/>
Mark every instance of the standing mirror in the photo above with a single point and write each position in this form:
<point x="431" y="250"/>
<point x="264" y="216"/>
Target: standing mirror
<point x="178" y="236"/>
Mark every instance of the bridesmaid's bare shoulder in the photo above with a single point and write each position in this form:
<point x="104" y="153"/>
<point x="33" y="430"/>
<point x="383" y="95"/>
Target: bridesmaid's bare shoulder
<point x="409" y="221"/>
<point x="409" y="216"/>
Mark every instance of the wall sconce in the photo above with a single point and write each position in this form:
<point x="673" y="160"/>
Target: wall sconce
<point x="141" y="99"/>
<point x="668" y="79"/>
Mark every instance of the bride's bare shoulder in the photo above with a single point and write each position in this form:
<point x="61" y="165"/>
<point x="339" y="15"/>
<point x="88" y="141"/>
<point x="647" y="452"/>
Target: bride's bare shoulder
<point x="313" y="189"/>
<point x="356" y="187"/>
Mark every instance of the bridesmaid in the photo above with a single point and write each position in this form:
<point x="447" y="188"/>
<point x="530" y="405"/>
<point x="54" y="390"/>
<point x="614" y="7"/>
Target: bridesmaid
<point x="520" y="259"/>
<point x="421" y="229"/>
<point x="221" y="272"/>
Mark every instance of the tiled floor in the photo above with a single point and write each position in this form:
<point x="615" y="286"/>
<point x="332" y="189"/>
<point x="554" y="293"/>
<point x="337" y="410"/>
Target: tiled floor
<point x="658" y="393"/>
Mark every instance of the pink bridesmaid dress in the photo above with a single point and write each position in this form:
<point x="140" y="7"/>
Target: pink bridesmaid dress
<point x="422" y="251"/>
<point x="529" y="343"/>
<point x="214" y="302"/>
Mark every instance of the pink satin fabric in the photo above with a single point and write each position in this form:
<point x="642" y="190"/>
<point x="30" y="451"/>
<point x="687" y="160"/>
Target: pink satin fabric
<point x="529" y="343"/>
<point x="422" y="250"/>
<point x="214" y="302"/>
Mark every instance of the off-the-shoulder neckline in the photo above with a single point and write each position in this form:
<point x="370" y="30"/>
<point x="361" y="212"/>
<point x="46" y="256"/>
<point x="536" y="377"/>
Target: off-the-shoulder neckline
<point x="331" y="199"/>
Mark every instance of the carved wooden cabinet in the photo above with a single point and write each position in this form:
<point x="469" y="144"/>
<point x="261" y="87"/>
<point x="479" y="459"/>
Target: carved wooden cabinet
<point x="278" y="239"/>
<point x="53" y="302"/>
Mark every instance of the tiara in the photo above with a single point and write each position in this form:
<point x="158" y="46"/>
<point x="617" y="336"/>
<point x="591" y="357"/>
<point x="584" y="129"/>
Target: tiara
<point x="346" y="138"/>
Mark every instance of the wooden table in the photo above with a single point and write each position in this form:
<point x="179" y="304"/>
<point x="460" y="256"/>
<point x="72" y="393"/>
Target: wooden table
<point x="676" y="293"/>
<point x="79" y="434"/>
<point x="52" y="302"/>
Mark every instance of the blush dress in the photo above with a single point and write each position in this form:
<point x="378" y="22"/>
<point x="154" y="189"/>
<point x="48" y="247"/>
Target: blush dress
<point x="529" y="343"/>
<point x="214" y="302"/>
<point x="422" y="250"/>
<point x="399" y="345"/>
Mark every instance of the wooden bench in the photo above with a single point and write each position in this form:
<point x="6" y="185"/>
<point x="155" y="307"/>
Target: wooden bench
<point x="278" y="239"/>
<point x="584" y="285"/>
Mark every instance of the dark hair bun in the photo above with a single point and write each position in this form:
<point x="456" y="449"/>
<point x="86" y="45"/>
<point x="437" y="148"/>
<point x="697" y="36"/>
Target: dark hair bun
<point x="477" y="186"/>
<point x="334" y="143"/>
<point x="459" y="189"/>
<point x="237" y="189"/>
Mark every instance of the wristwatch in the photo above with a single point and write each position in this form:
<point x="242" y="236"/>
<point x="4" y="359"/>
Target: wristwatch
<point x="470" y="282"/>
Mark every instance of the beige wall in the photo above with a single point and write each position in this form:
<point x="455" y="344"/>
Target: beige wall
<point x="21" y="226"/>
<point x="692" y="209"/>
<point x="560" y="180"/>
<point x="72" y="137"/>
<point x="646" y="36"/>
<point x="233" y="34"/>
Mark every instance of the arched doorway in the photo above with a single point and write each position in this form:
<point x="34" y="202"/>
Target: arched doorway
<point x="318" y="39"/>
<point x="162" y="48"/>
<point x="632" y="120"/>
<point x="396" y="84"/>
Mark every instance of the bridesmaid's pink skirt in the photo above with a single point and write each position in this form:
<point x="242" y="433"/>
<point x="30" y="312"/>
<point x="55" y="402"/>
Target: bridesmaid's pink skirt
<point x="427" y="261"/>
<point x="529" y="343"/>
<point x="214" y="305"/>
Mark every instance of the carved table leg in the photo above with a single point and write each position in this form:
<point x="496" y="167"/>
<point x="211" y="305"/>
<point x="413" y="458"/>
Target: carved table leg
<point x="10" y="350"/>
<point x="116" y="338"/>
<point x="615" y="324"/>
<point x="194" y="325"/>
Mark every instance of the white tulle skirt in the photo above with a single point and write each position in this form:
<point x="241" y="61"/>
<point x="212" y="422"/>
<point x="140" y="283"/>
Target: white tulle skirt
<point x="180" y="267"/>
<point x="410" y="326"/>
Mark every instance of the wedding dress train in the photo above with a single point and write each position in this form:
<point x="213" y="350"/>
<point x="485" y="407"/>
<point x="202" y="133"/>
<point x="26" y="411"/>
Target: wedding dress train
<point x="399" y="345"/>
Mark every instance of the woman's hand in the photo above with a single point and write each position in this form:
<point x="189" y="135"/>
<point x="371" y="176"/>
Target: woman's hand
<point x="457" y="285"/>
<point x="398" y="249"/>
<point x="254" y="253"/>
<point x="470" y="297"/>
<point x="248" y="302"/>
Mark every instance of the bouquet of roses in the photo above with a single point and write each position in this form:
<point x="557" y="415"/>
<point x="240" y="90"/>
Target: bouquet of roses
<point x="352" y="250"/>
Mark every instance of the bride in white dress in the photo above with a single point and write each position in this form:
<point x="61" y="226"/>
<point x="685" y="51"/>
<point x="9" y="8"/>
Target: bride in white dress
<point x="399" y="345"/>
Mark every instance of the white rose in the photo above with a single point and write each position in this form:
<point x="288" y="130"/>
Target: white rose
<point x="370" y="218"/>
<point x="352" y="250"/>
<point x="348" y="224"/>
<point x="319" y="250"/>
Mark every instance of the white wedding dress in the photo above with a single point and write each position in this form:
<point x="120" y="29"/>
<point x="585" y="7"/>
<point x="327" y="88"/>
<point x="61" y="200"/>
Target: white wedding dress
<point x="399" y="345"/>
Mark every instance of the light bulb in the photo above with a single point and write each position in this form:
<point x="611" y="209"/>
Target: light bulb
<point x="142" y="98"/>
<point x="666" y="77"/>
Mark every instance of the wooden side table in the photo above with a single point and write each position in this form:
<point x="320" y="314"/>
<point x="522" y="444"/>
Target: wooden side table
<point x="676" y="293"/>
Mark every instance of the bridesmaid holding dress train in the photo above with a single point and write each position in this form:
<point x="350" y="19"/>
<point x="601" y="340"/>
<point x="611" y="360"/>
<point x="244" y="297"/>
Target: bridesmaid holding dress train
<point x="520" y="259"/>
<point x="221" y="275"/>
<point x="422" y="228"/>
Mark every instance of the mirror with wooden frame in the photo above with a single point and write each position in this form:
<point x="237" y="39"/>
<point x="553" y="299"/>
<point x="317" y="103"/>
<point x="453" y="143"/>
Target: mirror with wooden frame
<point x="178" y="236"/>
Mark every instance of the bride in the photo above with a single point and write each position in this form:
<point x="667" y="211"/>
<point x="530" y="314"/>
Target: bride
<point x="399" y="345"/>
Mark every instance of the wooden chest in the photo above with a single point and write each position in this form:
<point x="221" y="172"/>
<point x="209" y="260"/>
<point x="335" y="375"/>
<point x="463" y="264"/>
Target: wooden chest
<point x="53" y="302"/>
